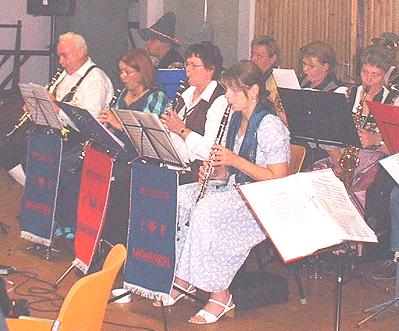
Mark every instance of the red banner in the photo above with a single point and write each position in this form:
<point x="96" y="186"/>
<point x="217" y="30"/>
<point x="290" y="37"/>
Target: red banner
<point x="92" y="205"/>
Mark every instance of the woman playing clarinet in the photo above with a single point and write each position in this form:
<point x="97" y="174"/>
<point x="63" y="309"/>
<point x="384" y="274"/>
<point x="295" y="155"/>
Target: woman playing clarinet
<point x="217" y="233"/>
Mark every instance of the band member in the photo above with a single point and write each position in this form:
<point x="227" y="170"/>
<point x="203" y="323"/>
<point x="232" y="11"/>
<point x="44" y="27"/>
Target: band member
<point x="161" y="41"/>
<point x="195" y="121"/>
<point x="140" y="92"/>
<point x="222" y="229"/>
<point x="266" y="54"/>
<point x="318" y="65"/>
<point x="375" y="62"/>
<point x="81" y="83"/>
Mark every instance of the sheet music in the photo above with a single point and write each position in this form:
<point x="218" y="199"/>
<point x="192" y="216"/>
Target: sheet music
<point x="41" y="108"/>
<point x="149" y="137"/>
<point x="286" y="78"/>
<point x="301" y="218"/>
<point x="391" y="165"/>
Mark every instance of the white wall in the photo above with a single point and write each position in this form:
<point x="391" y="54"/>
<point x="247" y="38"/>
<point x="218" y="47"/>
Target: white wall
<point x="35" y="36"/>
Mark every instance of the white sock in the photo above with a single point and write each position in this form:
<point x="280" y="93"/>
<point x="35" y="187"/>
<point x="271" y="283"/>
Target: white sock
<point x="396" y="256"/>
<point x="18" y="174"/>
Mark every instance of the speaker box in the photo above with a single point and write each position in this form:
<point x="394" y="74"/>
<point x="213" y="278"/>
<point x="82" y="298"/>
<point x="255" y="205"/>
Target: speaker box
<point x="51" y="7"/>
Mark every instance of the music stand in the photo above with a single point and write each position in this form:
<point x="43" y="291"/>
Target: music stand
<point x="150" y="139"/>
<point x="42" y="110"/>
<point x="319" y="117"/>
<point x="91" y="129"/>
<point x="387" y="119"/>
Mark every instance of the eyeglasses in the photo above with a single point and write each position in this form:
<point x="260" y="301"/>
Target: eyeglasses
<point x="372" y="74"/>
<point x="192" y="65"/>
<point x="126" y="73"/>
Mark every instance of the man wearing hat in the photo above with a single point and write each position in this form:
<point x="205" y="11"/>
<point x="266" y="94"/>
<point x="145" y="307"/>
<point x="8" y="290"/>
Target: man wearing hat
<point x="161" y="41"/>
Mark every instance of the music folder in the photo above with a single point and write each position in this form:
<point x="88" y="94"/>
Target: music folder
<point x="387" y="119"/>
<point x="320" y="117"/>
<point x="305" y="213"/>
<point x="150" y="139"/>
<point x="41" y="108"/>
<point x="91" y="128"/>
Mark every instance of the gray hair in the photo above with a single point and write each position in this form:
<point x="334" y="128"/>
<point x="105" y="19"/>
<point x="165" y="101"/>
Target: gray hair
<point x="77" y="40"/>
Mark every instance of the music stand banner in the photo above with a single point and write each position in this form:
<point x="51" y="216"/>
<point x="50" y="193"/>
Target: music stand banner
<point x="150" y="265"/>
<point x="387" y="119"/>
<point x="41" y="187"/>
<point x="92" y="205"/>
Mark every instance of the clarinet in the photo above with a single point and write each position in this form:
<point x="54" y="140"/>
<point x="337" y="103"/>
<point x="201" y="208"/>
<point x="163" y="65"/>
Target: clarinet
<point x="26" y="115"/>
<point x="218" y="140"/>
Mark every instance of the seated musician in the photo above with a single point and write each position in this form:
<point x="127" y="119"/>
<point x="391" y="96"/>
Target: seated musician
<point x="162" y="43"/>
<point x="266" y="55"/>
<point x="92" y="91"/>
<point x="222" y="229"/>
<point x="375" y="62"/>
<point x="318" y="65"/>
<point x="140" y="92"/>
<point x="199" y="109"/>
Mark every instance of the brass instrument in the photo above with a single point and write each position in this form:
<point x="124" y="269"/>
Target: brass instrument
<point x="26" y="115"/>
<point x="349" y="159"/>
<point x="218" y="140"/>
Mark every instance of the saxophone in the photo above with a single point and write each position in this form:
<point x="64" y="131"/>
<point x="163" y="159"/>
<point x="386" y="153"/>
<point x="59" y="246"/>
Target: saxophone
<point x="218" y="140"/>
<point x="26" y="115"/>
<point x="349" y="159"/>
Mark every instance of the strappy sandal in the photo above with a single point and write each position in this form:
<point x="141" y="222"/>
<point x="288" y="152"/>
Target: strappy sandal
<point x="169" y="301"/>
<point x="209" y="318"/>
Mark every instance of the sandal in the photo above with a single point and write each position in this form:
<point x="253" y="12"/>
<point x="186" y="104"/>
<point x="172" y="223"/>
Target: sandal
<point x="211" y="318"/>
<point x="170" y="301"/>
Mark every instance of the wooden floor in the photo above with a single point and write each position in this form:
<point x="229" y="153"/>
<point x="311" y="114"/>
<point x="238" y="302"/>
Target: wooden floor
<point x="35" y="275"/>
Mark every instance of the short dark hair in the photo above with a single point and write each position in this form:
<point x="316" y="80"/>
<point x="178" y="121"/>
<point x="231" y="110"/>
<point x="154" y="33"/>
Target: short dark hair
<point x="269" y="43"/>
<point x="209" y="54"/>
<point x="322" y="52"/>
<point x="378" y="56"/>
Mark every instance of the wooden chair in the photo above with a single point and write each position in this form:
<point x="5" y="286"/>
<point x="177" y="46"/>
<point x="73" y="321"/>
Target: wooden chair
<point x="84" y="306"/>
<point x="298" y="154"/>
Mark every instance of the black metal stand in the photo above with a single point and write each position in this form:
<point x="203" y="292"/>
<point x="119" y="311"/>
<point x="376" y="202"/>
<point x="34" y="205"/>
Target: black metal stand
<point x="382" y="307"/>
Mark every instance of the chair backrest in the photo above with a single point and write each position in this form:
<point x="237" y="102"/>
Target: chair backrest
<point x="298" y="154"/>
<point x="85" y="304"/>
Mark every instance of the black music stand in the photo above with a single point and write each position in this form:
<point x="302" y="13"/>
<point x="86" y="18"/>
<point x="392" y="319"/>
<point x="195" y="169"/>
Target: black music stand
<point x="319" y="117"/>
<point x="91" y="129"/>
<point x="42" y="110"/>
<point x="150" y="139"/>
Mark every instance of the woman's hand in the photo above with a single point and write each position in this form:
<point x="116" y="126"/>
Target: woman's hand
<point x="106" y="116"/>
<point x="219" y="173"/>
<point x="173" y="122"/>
<point x="222" y="156"/>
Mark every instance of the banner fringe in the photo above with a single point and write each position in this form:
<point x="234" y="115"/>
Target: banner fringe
<point x="81" y="266"/>
<point x="146" y="293"/>
<point x="36" y="239"/>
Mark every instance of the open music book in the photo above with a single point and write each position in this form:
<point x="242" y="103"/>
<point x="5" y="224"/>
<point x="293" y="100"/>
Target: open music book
<point x="42" y="110"/>
<point x="286" y="78"/>
<point x="391" y="165"/>
<point x="306" y="212"/>
<point x="150" y="139"/>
